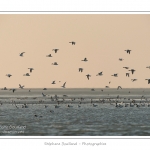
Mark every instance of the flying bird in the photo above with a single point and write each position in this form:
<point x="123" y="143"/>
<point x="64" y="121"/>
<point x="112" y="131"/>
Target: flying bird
<point x="85" y="59"/>
<point x="27" y="74"/>
<point x="127" y="74"/>
<point x="134" y="80"/>
<point x="100" y="74"/>
<point x="115" y="75"/>
<point x="106" y="86"/>
<point x="73" y="43"/>
<point x="49" y="55"/>
<point x="119" y="87"/>
<point x="132" y="70"/>
<point x="21" y="54"/>
<point x="8" y="75"/>
<point x="55" y="50"/>
<point x="63" y="85"/>
<point x="31" y="69"/>
<point x="80" y="69"/>
<point x="55" y="63"/>
<point x="43" y="95"/>
<point x="128" y="51"/>
<point x="21" y="86"/>
<point x="88" y="76"/>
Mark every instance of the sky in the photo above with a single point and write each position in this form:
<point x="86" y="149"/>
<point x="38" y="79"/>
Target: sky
<point x="101" y="38"/>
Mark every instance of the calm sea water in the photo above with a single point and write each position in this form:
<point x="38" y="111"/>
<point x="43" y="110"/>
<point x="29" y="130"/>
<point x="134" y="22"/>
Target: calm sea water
<point x="103" y="120"/>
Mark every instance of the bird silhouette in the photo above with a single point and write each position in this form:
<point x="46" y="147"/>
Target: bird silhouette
<point x="85" y="59"/>
<point x="115" y="75"/>
<point x="80" y="69"/>
<point x="64" y="85"/>
<point x="126" y="67"/>
<point x="148" y="81"/>
<point x="55" y="63"/>
<point x="49" y="55"/>
<point x="27" y="74"/>
<point x="88" y="76"/>
<point x="4" y="88"/>
<point x="134" y="80"/>
<point x="53" y="82"/>
<point x="21" y="86"/>
<point x="73" y="43"/>
<point x="119" y="87"/>
<point x="127" y="74"/>
<point x="55" y="50"/>
<point x="44" y="95"/>
<point x="100" y="74"/>
<point x="31" y="69"/>
<point x="21" y="54"/>
<point x="121" y="59"/>
<point x="128" y="51"/>
<point x="13" y="90"/>
<point x="132" y="70"/>
<point x="8" y="75"/>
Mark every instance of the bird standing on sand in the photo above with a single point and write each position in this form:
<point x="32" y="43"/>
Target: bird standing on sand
<point x="80" y="69"/>
<point x="31" y="69"/>
<point x="85" y="59"/>
<point x="128" y="51"/>
<point x="121" y="59"/>
<point x="88" y="76"/>
<point x="148" y="67"/>
<point x="8" y="75"/>
<point x="55" y="63"/>
<point x="4" y="88"/>
<point x="73" y="43"/>
<point x="55" y="50"/>
<point x="49" y="55"/>
<point x="64" y="85"/>
<point x="27" y="74"/>
<point x="127" y="74"/>
<point x="21" y="54"/>
<point x="53" y="82"/>
<point x="148" y="81"/>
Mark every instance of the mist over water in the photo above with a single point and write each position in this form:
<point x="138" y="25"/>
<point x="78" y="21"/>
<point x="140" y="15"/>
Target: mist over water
<point x="103" y="120"/>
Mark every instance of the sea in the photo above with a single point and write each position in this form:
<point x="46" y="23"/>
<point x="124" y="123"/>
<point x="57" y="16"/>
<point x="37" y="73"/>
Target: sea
<point x="75" y="112"/>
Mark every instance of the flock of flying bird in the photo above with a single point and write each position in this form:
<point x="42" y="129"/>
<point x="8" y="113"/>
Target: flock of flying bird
<point x="80" y="70"/>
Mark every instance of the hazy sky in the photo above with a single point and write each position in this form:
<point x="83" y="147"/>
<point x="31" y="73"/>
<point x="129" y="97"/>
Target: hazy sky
<point x="102" y="39"/>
